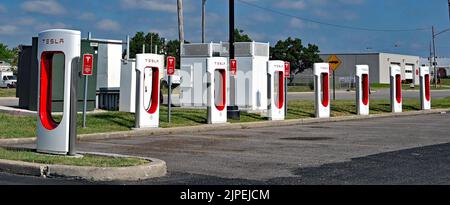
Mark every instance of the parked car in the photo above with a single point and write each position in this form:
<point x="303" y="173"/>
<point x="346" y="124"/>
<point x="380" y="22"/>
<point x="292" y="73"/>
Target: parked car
<point x="7" y="79"/>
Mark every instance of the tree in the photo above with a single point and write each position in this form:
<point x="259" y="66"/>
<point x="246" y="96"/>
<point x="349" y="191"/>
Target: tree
<point x="152" y="40"/>
<point x="5" y="53"/>
<point x="300" y="57"/>
<point x="172" y="48"/>
<point x="136" y="43"/>
<point x="10" y="56"/>
<point x="240" y="36"/>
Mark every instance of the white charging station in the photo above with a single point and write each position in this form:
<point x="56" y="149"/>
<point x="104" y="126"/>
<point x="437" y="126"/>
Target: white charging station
<point x="275" y="89"/>
<point x="396" y="88"/>
<point x="217" y="75"/>
<point x="425" y="95"/>
<point x="362" y="89"/>
<point x="321" y="88"/>
<point x="149" y="68"/>
<point x="52" y="136"/>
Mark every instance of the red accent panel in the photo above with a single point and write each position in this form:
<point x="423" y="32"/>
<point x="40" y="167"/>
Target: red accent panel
<point x="280" y="90"/>
<point x="365" y="89"/>
<point x="45" y="100"/>
<point x="154" y="100"/>
<point x="325" y="90"/>
<point x="224" y="91"/>
<point x="398" y="87"/>
<point x="427" y="87"/>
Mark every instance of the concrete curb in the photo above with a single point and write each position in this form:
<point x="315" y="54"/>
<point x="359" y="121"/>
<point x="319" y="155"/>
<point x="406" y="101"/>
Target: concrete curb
<point x="227" y="126"/>
<point x="17" y="111"/>
<point x="155" y="168"/>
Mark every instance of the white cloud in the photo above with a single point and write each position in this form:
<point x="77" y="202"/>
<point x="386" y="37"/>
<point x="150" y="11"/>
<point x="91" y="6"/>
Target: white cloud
<point x="262" y="17"/>
<point x="86" y="16"/>
<point x="352" y="2"/>
<point x="299" y="24"/>
<point x="2" y="9"/>
<point x="8" y="29"/>
<point x="289" y="4"/>
<point x="45" y="26"/>
<point x="49" y="7"/>
<point x="108" y="25"/>
<point x="168" y="33"/>
<point x="151" y="5"/>
<point x="25" y="21"/>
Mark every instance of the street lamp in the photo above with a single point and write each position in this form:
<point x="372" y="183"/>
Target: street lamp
<point x="433" y="34"/>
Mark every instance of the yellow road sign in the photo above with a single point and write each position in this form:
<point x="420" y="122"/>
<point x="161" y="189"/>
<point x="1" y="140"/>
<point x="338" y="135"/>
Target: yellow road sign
<point x="334" y="62"/>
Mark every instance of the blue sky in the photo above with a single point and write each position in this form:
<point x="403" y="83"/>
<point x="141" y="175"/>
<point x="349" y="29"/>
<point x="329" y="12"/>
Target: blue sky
<point x="22" y="19"/>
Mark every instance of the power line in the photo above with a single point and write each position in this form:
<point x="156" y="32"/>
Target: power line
<point x="330" y="24"/>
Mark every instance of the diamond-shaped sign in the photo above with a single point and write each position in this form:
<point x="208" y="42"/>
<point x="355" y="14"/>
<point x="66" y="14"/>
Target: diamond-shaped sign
<point x="334" y="62"/>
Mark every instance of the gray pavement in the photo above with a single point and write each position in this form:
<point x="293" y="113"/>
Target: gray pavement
<point x="397" y="150"/>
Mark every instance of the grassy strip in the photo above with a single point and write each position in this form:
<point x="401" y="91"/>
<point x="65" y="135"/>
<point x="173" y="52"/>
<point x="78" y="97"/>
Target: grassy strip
<point x="87" y="160"/>
<point x="377" y="86"/>
<point x="445" y="81"/>
<point x="25" y="126"/>
<point x="7" y="92"/>
<point x="299" y="88"/>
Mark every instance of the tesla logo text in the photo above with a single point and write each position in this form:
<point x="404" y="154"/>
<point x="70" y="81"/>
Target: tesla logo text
<point x="219" y="63"/>
<point x="53" y="41"/>
<point x="151" y="60"/>
<point x="278" y="66"/>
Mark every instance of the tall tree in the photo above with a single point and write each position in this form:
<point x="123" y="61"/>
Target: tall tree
<point x="173" y="49"/>
<point x="240" y="36"/>
<point x="136" y="43"/>
<point x="293" y="51"/>
<point x="150" y="40"/>
<point x="5" y="53"/>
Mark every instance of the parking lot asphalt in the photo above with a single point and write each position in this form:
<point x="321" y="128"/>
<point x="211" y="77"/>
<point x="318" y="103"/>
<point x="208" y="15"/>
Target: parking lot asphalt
<point x="395" y="150"/>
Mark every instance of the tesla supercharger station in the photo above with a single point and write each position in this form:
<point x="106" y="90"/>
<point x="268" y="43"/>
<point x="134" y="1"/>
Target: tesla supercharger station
<point x="149" y="68"/>
<point x="362" y="89"/>
<point x="425" y="97"/>
<point x="322" y="91"/>
<point x="275" y="89"/>
<point x="396" y="88"/>
<point x="52" y="136"/>
<point x="217" y="75"/>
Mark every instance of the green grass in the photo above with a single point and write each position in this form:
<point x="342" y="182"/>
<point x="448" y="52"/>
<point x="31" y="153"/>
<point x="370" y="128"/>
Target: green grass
<point x="445" y="81"/>
<point x="377" y="86"/>
<point x="299" y="88"/>
<point x="24" y="126"/>
<point x="87" y="160"/>
<point x="7" y="92"/>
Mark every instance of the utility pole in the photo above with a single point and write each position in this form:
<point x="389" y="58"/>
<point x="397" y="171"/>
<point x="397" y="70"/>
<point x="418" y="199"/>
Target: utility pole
<point x="180" y="21"/>
<point x="431" y="56"/>
<point x="204" y="20"/>
<point x="232" y="109"/>
<point x="434" y="57"/>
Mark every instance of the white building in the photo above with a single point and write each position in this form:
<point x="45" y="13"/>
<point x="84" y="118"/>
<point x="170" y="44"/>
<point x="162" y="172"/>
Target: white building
<point x="378" y="66"/>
